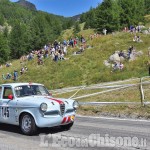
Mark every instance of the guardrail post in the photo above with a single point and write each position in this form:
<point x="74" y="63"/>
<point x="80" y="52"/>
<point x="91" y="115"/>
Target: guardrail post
<point x="142" y="93"/>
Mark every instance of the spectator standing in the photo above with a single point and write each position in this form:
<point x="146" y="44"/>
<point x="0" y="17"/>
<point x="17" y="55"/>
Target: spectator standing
<point x="75" y="42"/>
<point x="130" y="51"/>
<point x="46" y="53"/>
<point x="55" y="45"/>
<point x="131" y="28"/>
<point x="65" y="42"/>
<point x="83" y="41"/>
<point x="56" y="56"/>
<point x="71" y="43"/>
<point x="104" y="31"/>
<point x="65" y="50"/>
<point x="15" y="75"/>
<point x="45" y="47"/>
<point x="30" y="56"/>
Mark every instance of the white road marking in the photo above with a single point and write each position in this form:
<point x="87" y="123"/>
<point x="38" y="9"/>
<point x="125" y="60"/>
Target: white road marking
<point x="111" y="118"/>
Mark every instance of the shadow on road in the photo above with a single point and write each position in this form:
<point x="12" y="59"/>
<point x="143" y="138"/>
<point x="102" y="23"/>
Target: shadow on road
<point x="9" y="128"/>
<point x="16" y="129"/>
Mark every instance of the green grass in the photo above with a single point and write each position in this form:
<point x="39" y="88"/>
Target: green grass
<point x="88" y="68"/>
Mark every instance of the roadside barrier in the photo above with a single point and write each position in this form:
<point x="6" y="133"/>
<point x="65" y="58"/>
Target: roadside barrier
<point x="106" y="88"/>
<point x="94" y="86"/>
<point x="143" y="100"/>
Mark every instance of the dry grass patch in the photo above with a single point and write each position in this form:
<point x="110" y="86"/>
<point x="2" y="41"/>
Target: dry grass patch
<point x="129" y="111"/>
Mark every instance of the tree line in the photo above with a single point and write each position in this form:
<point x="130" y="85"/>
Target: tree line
<point x="116" y="14"/>
<point x="23" y="30"/>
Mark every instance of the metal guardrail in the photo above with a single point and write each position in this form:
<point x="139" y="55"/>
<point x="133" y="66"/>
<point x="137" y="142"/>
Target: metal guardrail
<point x="110" y="103"/>
<point x="111" y="86"/>
<point x="110" y="90"/>
<point x="94" y="86"/>
<point x="143" y="100"/>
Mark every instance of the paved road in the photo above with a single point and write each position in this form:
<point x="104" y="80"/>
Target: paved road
<point x="87" y="133"/>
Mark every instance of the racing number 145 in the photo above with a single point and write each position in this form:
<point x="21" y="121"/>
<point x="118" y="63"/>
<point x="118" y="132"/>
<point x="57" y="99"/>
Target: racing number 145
<point x="5" y="112"/>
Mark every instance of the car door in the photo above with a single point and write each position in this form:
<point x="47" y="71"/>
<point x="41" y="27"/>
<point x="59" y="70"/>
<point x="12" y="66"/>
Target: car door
<point x="8" y="106"/>
<point x="1" y="103"/>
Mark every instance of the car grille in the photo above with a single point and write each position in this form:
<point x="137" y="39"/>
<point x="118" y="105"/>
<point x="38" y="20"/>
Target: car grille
<point x="62" y="109"/>
<point x="54" y="112"/>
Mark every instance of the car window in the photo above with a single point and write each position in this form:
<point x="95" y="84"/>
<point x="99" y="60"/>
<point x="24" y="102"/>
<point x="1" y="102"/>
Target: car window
<point x="0" y="91"/>
<point x="7" y="91"/>
<point x="28" y="90"/>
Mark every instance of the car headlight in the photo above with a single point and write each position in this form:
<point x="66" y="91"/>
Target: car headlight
<point x="75" y="104"/>
<point x="43" y="107"/>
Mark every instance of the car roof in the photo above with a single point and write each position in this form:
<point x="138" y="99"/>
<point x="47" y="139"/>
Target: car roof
<point x="19" y="84"/>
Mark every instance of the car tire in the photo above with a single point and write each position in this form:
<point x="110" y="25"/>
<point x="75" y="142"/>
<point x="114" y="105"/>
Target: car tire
<point x="67" y="127"/>
<point x="27" y="124"/>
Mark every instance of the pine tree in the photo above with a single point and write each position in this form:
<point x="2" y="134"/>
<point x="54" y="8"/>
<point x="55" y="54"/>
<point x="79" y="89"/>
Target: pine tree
<point x="108" y="16"/>
<point x="4" y="49"/>
<point x="2" y="20"/>
<point x="76" y="27"/>
<point x="18" y="42"/>
<point x="147" y="6"/>
<point x="132" y="12"/>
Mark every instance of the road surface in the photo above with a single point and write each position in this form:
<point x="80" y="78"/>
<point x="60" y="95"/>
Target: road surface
<point x="87" y="133"/>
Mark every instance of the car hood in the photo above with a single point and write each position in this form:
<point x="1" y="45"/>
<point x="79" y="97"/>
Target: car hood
<point x="37" y="100"/>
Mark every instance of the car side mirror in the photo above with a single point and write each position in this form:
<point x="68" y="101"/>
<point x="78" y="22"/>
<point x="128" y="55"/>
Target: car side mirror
<point x="10" y="97"/>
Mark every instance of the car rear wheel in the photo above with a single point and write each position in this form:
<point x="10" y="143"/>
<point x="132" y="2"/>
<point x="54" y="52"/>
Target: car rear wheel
<point x="67" y="127"/>
<point x="27" y="124"/>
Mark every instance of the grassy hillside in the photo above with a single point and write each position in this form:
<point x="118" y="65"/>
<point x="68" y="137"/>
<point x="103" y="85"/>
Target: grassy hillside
<point x="87" y="68"/>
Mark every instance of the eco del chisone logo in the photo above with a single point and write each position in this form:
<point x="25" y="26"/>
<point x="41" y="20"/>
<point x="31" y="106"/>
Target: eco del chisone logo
<point x="93" y="140"/>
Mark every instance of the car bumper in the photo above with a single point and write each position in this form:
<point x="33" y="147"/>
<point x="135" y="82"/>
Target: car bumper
<point x="52" y="121"/>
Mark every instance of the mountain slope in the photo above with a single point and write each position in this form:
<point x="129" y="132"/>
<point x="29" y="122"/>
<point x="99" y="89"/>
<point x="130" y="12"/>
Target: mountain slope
<point x="26" y="4"/>
<point x="30" y="29"/>
<point x="87" y="68"/>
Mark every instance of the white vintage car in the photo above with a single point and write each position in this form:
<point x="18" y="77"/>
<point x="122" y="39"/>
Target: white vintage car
<point x="30" y="106"/>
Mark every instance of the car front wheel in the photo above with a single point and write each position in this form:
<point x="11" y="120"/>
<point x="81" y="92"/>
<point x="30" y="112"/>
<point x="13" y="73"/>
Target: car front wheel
<point x="27" y="124"/>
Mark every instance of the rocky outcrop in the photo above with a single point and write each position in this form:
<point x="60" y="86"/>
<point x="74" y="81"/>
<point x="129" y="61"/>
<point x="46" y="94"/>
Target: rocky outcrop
<point x="26" y="4"/>
<point x="115" y="58"/>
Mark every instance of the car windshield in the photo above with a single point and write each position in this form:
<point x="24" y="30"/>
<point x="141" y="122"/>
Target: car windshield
<point x="28" y="90"/>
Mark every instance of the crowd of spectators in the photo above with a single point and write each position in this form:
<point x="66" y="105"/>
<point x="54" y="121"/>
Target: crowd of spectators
<point x="124" y="55"/>
<point x="137" y="38"/>
<point x="117" y="66"/>
<point x="57" y="51"/>
<point x="118" y="57"/>
<point x="14" y="76"/>
<point x="95" y="35"/>
<point x="134" y="29"/>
